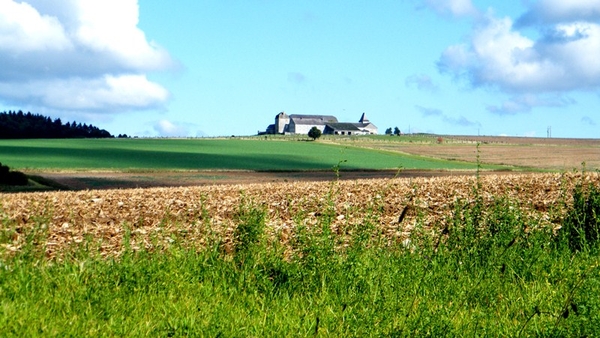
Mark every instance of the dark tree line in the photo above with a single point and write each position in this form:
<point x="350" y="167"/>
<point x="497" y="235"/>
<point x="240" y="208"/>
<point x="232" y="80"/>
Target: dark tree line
<point x="19" y="125"/>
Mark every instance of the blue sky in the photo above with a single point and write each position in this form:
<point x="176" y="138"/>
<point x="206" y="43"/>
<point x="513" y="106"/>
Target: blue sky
<point x="222" y="67"/>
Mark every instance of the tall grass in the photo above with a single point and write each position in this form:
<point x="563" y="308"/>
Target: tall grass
<point x="488" y="271"/>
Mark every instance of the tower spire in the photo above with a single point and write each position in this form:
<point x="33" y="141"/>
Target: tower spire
<point x="363" y="118"/>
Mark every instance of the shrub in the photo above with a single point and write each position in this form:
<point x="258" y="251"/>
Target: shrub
<point x="8" y="177"/>
<point x="249" y="232"/>
<point x="17" y="178"/>
<point x="314" y="133"/>
<point x="581" y="227"/>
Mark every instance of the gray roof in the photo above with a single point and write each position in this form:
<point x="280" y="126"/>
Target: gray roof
<point x="313" y="119"/>
<point x="343" y="126"/>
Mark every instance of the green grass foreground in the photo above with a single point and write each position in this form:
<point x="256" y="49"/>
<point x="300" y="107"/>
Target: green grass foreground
<point x="489" y="272"/>
<point x="204" y="154"/>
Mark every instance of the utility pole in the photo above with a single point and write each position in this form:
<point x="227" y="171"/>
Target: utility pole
<point x="549" y="131"/>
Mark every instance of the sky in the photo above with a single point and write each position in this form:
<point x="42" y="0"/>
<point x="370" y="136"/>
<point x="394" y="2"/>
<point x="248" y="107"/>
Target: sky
<point x="205" y="68"/>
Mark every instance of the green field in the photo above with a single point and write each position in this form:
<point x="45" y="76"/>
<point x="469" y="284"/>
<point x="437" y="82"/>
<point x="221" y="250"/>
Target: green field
<point x="204" y="154"/>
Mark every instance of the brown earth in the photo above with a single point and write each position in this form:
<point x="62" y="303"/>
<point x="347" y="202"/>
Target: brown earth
<point x="552" y="154"/>
<point x="548" y="157"/>
<point x="115" y="180"/>
<point x="522" y="152"/>
<point x="155" y="218"/>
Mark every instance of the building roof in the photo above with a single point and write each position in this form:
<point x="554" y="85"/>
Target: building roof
<point x="313" y="119"/>
<point x="343" y="126"/>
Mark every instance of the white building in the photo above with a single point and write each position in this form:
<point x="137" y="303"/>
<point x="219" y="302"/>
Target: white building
<point x="328" y="124"/>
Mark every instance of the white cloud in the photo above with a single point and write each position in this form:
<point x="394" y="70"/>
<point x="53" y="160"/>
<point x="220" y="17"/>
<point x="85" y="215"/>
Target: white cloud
<point x="23" y="29"/>
<point x="555" y="11"/>
<point x="111" y="26"/>
<point x="78" y="55"/>
<point x="455" y="8"/>
<point x="167" y="128"/>
<point x="536" y="72"/>
<point x="498" y="56"/>
<point x="108" y="94"/>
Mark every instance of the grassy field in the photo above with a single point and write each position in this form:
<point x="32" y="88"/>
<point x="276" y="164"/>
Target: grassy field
<point x="204" y="154"/>
<point x="491" y="270"/>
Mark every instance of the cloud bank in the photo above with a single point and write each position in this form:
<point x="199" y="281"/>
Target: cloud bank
<point x="560" y="11"/>
<point x="561" y="58"/>
<point x="79" y="56"/>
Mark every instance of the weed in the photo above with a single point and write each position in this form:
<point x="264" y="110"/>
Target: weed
<point x="581" y="227"/>
<point x="336" y="168"/>
<point x="248" y="236"/>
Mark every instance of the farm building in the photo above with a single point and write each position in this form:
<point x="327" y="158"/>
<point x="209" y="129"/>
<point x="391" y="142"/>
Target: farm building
<point x="328" y="124"/>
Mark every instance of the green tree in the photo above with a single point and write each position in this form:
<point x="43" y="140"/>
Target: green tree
<point x="396" y="131"/>
<point x="388" y="131"/>
<point x="314" y="133"/>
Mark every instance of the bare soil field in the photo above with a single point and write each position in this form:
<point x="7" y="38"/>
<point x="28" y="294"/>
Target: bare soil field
<point x="523" y="152"/>
<point x="115" y="180"/>
<point x="154" y="218"/>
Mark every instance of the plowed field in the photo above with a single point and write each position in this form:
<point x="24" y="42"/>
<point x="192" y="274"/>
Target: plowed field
<point x="155" y="218"/>
<point x="524" y="152"/>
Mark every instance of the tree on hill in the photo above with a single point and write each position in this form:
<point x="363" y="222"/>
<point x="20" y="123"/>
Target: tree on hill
<point x="18" y="125"/>
<point x="388" y="131"/>
<point x="396" y="131"/>
<point x="314" y="133"/>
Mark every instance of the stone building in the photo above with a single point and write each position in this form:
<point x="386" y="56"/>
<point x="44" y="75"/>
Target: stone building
<point x="328" y="124"/>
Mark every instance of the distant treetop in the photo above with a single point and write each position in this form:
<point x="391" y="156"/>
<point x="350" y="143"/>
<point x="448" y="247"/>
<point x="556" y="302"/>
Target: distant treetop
<point x="19" y="125"/>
